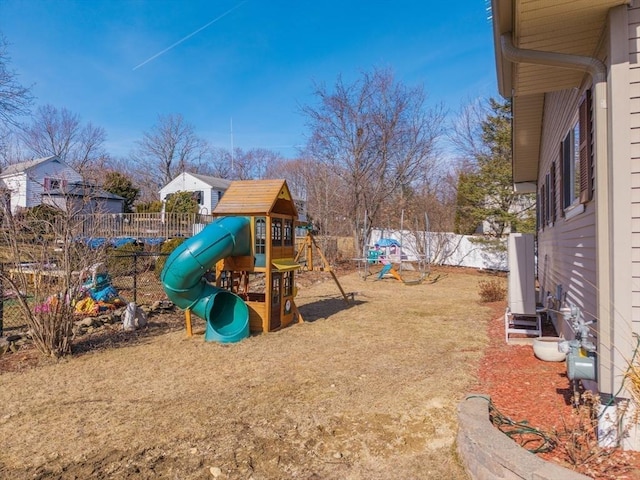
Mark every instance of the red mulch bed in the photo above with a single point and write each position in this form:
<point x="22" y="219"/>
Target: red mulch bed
<point x="524" y="388"/>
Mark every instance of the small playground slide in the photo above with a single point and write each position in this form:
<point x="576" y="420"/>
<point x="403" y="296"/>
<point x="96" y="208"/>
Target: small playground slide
<point x="226" y="314"/>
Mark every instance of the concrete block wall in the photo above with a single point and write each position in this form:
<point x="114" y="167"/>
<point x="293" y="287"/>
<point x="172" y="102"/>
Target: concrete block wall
<point x="489" y="454"/>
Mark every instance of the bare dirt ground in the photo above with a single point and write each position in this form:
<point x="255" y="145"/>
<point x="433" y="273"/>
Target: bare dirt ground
<point x="365" y="392"/>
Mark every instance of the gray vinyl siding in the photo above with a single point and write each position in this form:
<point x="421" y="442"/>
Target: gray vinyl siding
<point x="634" y="138"/>
<point x="52" y="169"/>
<point x="566" y="249"/>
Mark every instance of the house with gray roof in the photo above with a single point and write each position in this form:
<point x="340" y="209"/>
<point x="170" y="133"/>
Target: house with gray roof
<point x="206" y="190"/>
<point x="50" y="181"/>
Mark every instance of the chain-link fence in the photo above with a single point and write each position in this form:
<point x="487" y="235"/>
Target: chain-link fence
<point x="133" y="276"/>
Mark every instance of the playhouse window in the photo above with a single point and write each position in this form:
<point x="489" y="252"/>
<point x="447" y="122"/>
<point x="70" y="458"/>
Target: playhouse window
<point x="261" y="235"/>
<point x="275" y="290"/>
<point x="276" y="231"/>
<point x="287" y="284"/>
<point x="288" y="232"/>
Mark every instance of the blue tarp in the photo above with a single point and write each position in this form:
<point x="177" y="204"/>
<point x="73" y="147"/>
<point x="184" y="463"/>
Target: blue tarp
<point x="152" y="240"/>
<point x="120" y="241"/>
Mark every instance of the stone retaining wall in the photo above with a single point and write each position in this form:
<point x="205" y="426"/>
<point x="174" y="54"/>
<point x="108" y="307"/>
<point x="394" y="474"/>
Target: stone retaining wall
<point x="488" y="454"/>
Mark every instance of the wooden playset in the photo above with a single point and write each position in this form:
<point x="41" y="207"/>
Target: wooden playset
<point x="265" y="279"/>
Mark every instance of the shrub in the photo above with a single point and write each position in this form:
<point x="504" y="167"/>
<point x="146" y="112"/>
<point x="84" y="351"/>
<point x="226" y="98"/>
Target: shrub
<point x="493" y="290"/>
<point x="167" y="247"/>
<point x="120" y="261"/>
<point x="578" y="443"/>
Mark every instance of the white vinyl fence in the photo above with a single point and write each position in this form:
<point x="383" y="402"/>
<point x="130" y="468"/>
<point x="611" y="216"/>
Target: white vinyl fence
<point x="447" y="248"/>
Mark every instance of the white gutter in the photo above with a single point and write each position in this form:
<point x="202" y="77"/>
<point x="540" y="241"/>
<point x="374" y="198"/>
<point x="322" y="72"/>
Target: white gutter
<point x="604" y="258"/>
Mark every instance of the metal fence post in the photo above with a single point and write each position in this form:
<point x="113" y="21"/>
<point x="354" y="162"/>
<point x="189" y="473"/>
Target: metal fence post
<point x="135" y="277"/>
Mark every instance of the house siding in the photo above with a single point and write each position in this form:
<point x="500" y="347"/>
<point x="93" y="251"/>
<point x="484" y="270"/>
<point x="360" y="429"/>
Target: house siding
<point x="634" y="153"/>
<point x="36" y="176"/>
<point x="188" y="183"/>
<point x="27" y="187"/>
<point x="567" y="253"/>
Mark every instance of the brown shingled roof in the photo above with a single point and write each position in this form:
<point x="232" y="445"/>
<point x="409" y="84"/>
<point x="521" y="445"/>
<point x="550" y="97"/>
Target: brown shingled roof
<point x="256" y="197"/>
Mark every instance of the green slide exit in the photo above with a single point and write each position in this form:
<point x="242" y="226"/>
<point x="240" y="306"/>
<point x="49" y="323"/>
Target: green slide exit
<point x="226" y="315"/>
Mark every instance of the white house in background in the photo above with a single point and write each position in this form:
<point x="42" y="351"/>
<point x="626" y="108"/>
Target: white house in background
<point x="206" y="190"/>
<point x="27" y="182"/>
<point x="50" y="181"/>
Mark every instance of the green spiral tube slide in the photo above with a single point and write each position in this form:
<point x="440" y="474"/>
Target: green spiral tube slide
<point x="226" y="315"/>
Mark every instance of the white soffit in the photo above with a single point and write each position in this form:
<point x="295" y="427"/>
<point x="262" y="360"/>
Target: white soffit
<point x="527" y="120"/>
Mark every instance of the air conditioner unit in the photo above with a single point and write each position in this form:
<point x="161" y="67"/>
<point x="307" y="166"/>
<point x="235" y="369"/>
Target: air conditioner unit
<point x="521" y="315"/>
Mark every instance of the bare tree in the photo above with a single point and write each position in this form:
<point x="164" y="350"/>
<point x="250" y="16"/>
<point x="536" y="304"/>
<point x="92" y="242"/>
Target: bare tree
<point x="169" y="148"/>
<point x="320" y="188"/>
<point x="377" y="135"/>
<point x="58" y="131"/>
<point x="216" y="162"/>
<point x="15" y="100"/>
<point x="10" y="147"/>
<point x="253" y="163"/>
<point x="47" y="265"/>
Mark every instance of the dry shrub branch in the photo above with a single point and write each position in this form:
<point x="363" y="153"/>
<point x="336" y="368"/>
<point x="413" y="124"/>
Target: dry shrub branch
<point x="43" y="262"/>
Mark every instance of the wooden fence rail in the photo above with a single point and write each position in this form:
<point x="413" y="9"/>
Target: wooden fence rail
<point x="139" y="225"/>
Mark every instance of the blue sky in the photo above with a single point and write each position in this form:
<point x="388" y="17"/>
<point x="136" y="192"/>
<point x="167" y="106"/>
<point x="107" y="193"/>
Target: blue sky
<point x="250" y="64"/>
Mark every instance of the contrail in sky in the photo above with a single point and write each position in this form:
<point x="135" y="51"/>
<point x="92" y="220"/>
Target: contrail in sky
<point x="190" y="35"/>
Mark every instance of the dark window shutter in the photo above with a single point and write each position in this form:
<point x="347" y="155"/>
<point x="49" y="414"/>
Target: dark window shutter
<point x="47" y="183"/>
<point x="586" y="185"/>
<point x="543" y="219"/>
<point x="538" y="212"/>
<point x="562" y="176"/>
<point x="552" y="192"/>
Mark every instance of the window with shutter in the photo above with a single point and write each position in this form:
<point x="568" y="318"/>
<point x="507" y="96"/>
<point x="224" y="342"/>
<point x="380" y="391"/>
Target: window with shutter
<point x="543" y="220"/>
<point x="586" y="163"/>
<point x="547" y="200"/>
<point x="576" y="159"/>
<point x="552" y="192"/>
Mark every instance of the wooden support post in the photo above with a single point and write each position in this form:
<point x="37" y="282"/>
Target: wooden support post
<point x="187" y="321"/>
<point x="295" y="309"/>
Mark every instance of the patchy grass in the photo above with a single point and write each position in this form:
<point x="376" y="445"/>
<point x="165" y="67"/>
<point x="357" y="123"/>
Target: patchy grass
<point x="366" y="392"/>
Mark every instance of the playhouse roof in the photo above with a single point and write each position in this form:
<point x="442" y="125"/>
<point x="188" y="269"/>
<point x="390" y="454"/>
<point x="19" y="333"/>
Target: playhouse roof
<point x="256" y="197"/>
<point x="388" y="242"/>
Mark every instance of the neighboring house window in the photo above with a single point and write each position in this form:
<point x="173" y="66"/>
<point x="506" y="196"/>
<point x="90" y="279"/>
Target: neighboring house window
<point x="198" y="196"/>
<point x="219" y="195"/>
<point x="53" y="184"/>
<point x="577" y="163"/>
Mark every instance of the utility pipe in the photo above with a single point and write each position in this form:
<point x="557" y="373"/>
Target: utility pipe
<point x="604" y="258"/>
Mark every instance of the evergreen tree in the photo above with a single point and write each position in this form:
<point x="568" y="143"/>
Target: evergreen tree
<point x="485" y="187"/>
<point x="181" y="202"/>
<point x="119" y="184"/>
